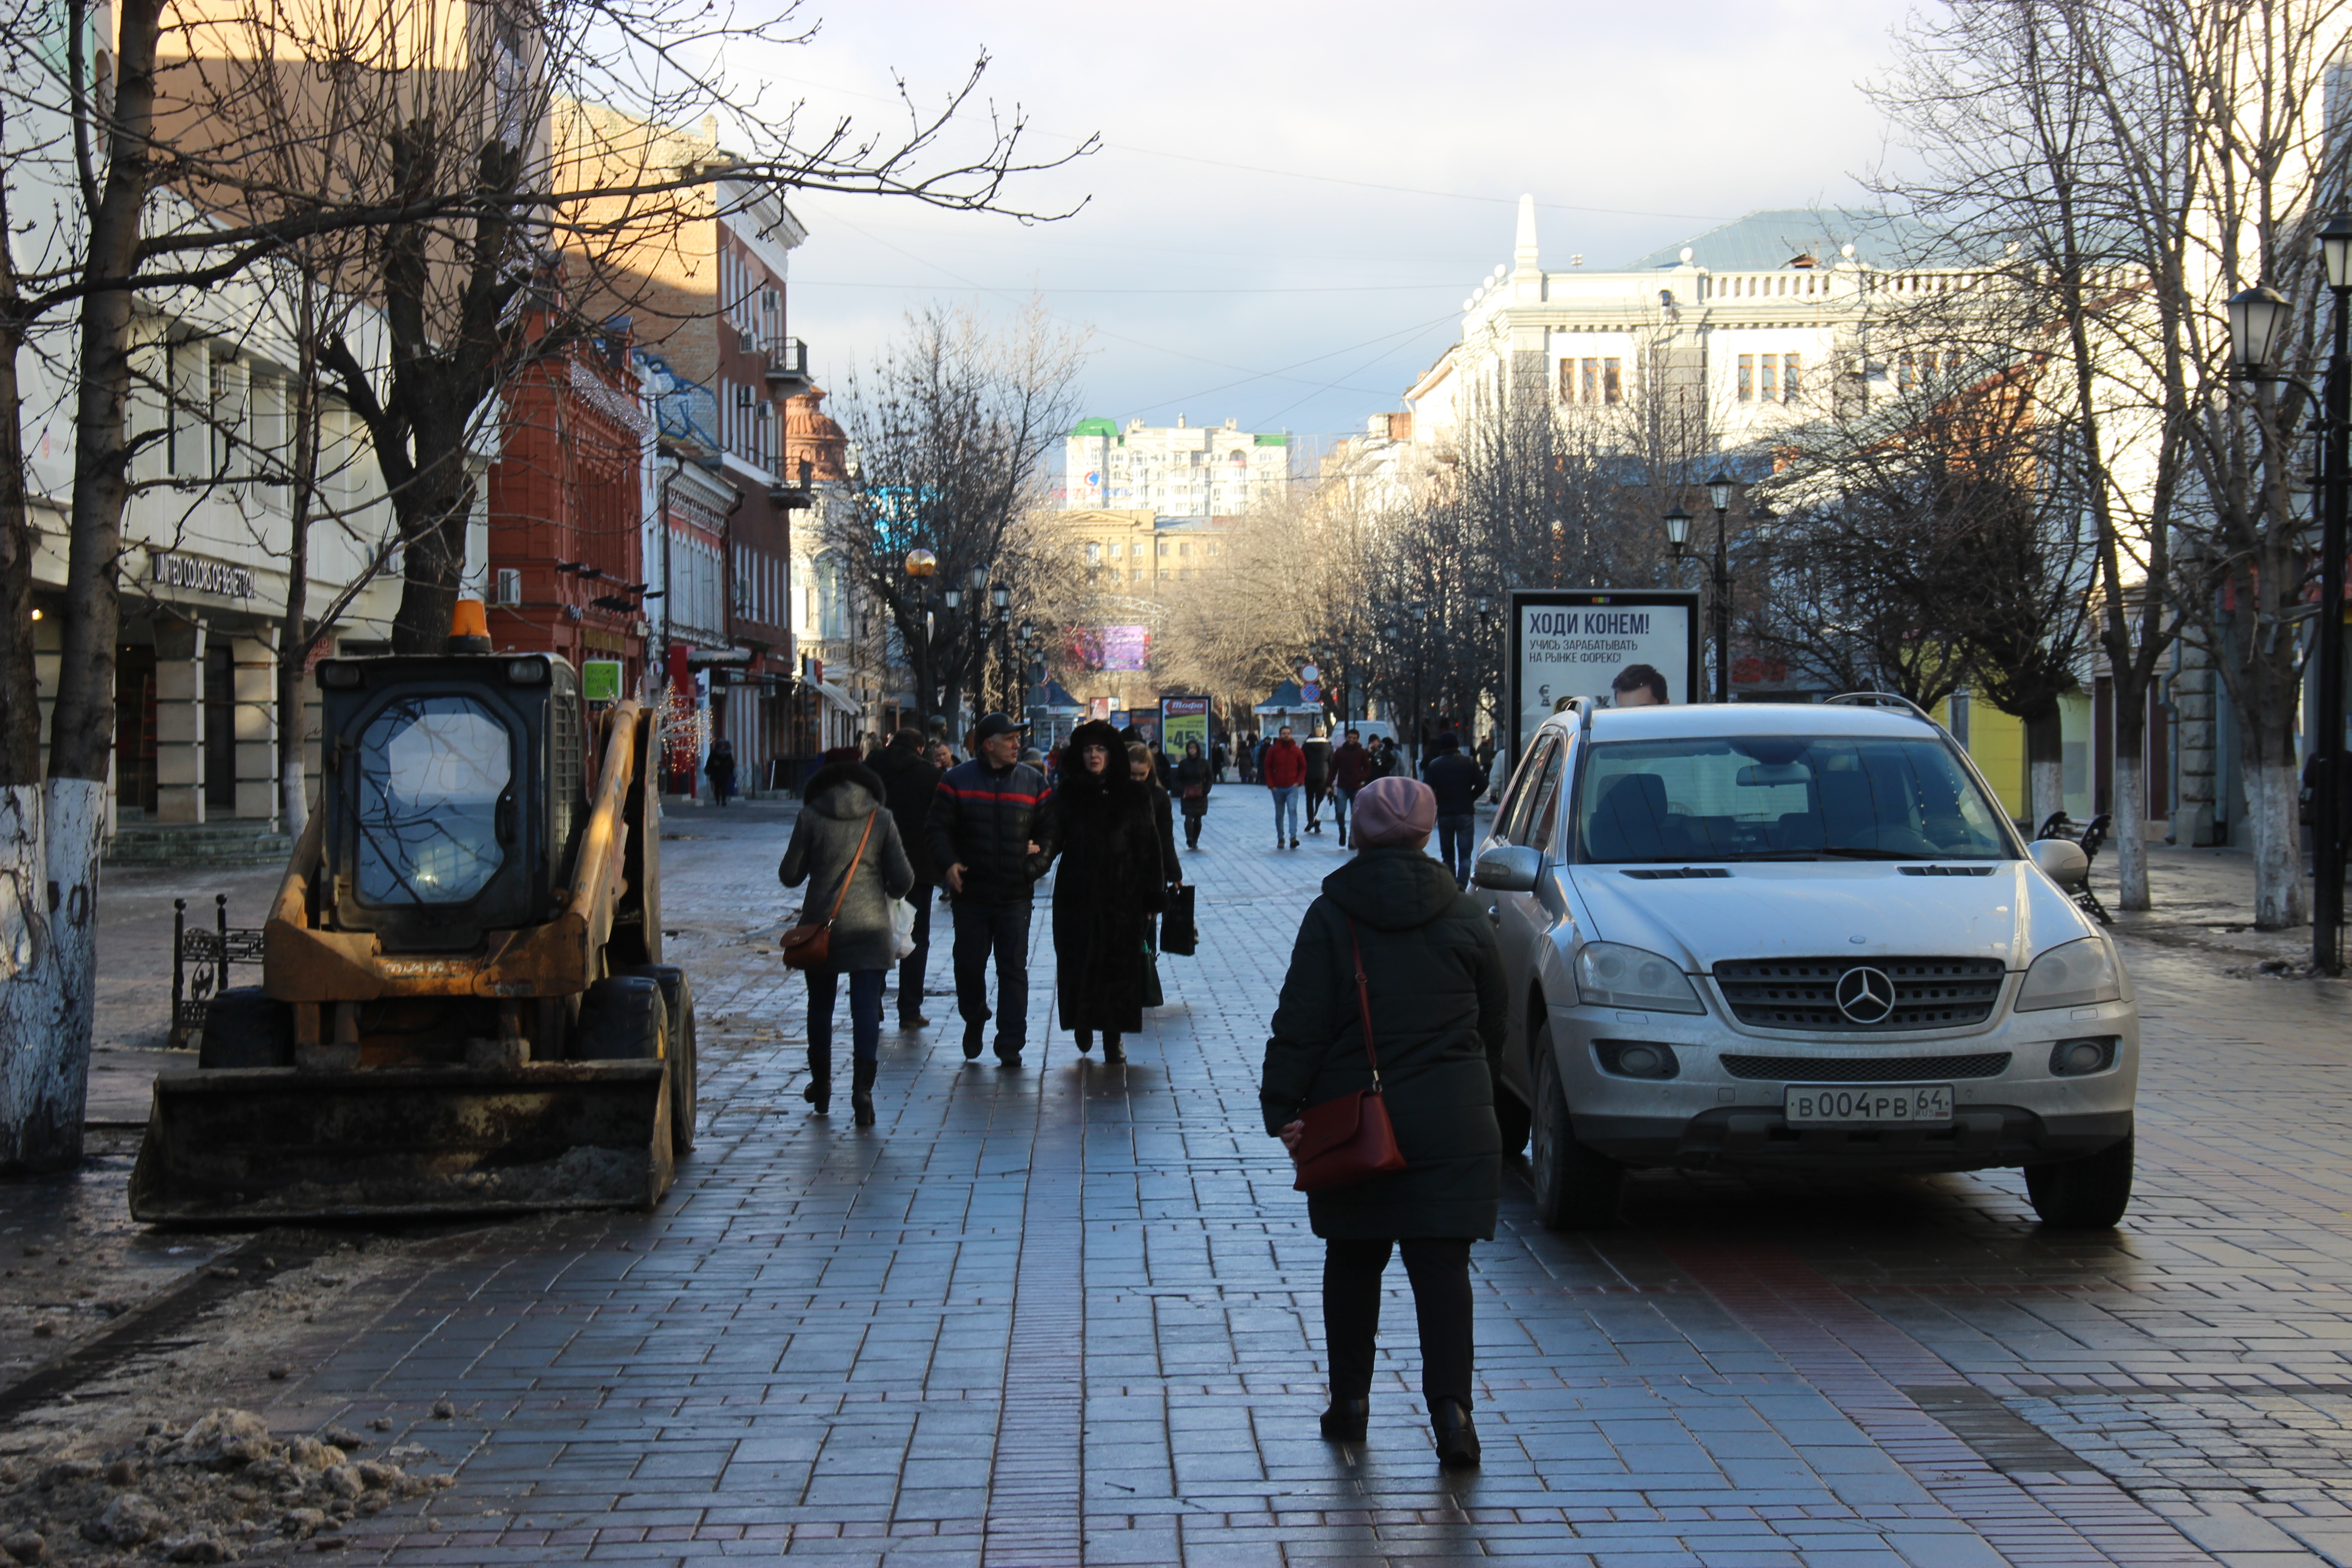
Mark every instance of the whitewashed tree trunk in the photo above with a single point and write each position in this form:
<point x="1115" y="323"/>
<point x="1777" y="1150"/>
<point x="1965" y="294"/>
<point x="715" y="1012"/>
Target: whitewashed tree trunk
<point x="24" y="915"/>
<point x="2128" y="834"/>
<point x="2279" y="901"/>
<point x="2046" y="789"/>
<point x="294" y="795"/>
<point x="45" y="1010"/>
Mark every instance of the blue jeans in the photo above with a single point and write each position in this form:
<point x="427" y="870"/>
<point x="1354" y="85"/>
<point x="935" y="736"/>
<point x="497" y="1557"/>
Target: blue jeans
<point x="911" y="968"/>
<point x="1285" y="810"/>
<point x="1341" y="799"/>
<point x="1455" y="836"/>
<point x="1005" y="928"/>
<point x="865" y="1013"/>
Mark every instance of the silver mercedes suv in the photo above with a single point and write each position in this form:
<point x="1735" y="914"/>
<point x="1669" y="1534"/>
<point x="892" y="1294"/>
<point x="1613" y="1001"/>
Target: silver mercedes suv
<point x="1797" y="934"/>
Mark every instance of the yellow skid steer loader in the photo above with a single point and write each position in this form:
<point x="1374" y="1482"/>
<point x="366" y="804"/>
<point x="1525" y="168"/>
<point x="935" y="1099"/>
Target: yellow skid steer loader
<point x="463" y="1008"/>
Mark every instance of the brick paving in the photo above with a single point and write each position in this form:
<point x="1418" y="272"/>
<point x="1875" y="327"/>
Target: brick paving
<point x="1071" y="1314"/>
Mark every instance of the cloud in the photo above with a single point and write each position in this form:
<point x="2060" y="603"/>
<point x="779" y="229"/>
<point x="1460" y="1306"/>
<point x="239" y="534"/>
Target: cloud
<point x="1293" y="199"/>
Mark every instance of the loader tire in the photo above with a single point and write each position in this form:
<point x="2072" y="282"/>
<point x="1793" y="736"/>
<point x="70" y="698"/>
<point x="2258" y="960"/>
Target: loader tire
<point x="622" y="1019"/>
<point x="685" y="1075"/>
<point x="244" y="1028"/>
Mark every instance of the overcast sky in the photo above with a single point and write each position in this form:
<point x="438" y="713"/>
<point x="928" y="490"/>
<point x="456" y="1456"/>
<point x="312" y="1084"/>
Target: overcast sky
<point x="1293" y="199"/>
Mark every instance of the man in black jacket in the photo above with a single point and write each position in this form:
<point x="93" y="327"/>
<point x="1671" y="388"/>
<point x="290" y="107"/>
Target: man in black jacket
<point x="1455" y="780"/>
<point x="984" y="838"/>
<point x="908" y="781"/>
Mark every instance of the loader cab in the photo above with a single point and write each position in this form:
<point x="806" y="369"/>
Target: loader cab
<point x="455" y="792"/>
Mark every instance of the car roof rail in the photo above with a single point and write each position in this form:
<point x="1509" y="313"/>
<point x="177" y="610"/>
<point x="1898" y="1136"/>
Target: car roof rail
<point x="1582" y="708"/>
<point x="1881" y="700"/>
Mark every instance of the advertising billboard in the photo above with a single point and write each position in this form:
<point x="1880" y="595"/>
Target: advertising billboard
<point x="1127" y="647"/>
<point x="1623" y="647"/>
<point x="1184" y="719"/>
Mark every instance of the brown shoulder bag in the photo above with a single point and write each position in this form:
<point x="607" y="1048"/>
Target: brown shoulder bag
<point x="1348" y="1140"/>
<point x="811" y="946"/>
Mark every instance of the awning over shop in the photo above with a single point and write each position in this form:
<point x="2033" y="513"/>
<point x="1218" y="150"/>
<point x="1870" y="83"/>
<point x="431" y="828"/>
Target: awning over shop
<point x="1287" y="700"/>
<point x="835" y="696"/>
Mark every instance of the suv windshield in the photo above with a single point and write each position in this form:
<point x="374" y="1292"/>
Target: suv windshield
<point x="431" y="769"/>
<point x="1783" y="797"/>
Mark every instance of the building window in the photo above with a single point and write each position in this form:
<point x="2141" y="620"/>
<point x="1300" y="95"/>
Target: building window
<point x="1905" y="374"/>
<point x="1135" y="548"/>
<point x="1568" y="381"/>
<point x="1747" y="378"/>
<point x="1184" y="549"/>
<point x="1792" y="376"/>
<point x="1163" y="547"/>
<point x="1591" y="374"/>
<point x="1163" y="573"/>
<point x="1612" y="383"/>
<point x="1135" y="574"/>
<point x="1770" y="387"/>
<point x="1094" y="552"/>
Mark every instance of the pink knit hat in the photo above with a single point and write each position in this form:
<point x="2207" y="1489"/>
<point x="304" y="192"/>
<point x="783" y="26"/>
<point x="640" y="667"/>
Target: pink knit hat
<point x="1394" y="813"/>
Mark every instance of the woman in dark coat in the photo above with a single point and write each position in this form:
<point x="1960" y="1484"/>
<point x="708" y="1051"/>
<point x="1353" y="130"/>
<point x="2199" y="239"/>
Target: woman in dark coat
<point x="843" y="800"/>
<point x="720" y="768"/>
<point x="1438" y="1012"/>
<point x="1110" y="882"/>
<point x="1194" y="775"/>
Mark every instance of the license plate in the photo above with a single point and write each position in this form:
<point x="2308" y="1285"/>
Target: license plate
<point x="1867" y="1105"/>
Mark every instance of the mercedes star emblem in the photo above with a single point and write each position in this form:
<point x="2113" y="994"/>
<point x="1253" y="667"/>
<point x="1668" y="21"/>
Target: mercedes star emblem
<point x="1865" y="995"/>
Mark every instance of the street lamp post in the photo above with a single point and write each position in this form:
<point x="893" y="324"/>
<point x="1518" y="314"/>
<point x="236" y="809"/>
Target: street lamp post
<point x="2257" y="319"/>
<point x="1719" y="489"/>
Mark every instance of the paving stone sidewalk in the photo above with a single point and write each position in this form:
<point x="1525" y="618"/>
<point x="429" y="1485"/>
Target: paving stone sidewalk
<point x="1071" y="1314"/>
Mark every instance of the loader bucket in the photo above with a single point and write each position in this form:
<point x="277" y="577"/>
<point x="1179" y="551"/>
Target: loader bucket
<point x="260" y="1145"/>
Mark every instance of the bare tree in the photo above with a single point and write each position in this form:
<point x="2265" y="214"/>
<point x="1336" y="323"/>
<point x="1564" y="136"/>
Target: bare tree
<point x="951" y="426"/>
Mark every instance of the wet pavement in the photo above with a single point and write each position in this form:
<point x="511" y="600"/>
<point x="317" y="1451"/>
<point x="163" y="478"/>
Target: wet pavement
<point x="1071" y="1314"/>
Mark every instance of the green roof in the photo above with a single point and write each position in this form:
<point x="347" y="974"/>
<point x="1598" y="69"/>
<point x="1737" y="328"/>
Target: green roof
<point x="1273" y="440"/>
<point x="1094" y="427"/>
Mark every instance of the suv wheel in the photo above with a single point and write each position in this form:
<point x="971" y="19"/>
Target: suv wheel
<point x="2088" y="1193"/>
<point x="1575" y="1188"/>
<point x="1511" y="1114"/>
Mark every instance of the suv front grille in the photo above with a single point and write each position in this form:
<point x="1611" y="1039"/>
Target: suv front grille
<point x="1802" y="993"/>
<point x="1866" y="1069"/>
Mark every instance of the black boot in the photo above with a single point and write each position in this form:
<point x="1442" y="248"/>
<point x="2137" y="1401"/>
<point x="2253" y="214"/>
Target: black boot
<point x="1112" y="1050"/>
<point x="1458" y="1440"/>
<point x="973" y="1034"/>
<point x="861" y="1090"/>
<point x="818" y="1090"/>
<point x="1346" y="1420"/>
<point x="1086" y="1040"/>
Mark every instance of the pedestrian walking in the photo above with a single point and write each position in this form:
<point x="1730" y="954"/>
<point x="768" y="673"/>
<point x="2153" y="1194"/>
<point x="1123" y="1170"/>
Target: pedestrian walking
<point x="1145" y="765"/>
<point x="1283" y="767"/>
<point x="1318" y="748"/>
<point x="1456" y="780"/>
<point x="1220" y="756"/>
<point x="1351" y="770"/>
<point x="1100" y="827"/>
<point x="1195" y="775"/>
<point x="845" y="846"/>
<point x="719" y="768"/>
<point x="942" y="756"/>
<point x="983" y="827"/>
<point x="908" y="781"/>
<point x="1393" y="931"/>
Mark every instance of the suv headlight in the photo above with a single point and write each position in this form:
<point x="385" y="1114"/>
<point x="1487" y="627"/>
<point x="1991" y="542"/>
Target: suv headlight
<point x="2071" y="974"/>
<point x="1610" y="975"/>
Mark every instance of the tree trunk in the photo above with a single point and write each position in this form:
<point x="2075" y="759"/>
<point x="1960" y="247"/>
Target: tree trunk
<point x="2273" y="783"/>
<point x="28" y="989"/>
<point x="46" y="1077"/>
<point x="2046" y="776"/>
<point x="2128" y="829"/>
<point x="433" y="564"/>
<point x="295" y="633"/>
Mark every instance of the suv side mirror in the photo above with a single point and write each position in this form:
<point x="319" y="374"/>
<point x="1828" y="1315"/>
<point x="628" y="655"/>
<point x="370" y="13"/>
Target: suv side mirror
<point x="2061" y="860"/>
<point x="1508" y="868"/>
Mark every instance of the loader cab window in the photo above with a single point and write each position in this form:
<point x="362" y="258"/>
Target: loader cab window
<point x="435" y="805"/>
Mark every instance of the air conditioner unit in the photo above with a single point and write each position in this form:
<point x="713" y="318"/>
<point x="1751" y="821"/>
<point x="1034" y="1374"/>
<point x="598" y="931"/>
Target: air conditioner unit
<point x="748" y="341"/>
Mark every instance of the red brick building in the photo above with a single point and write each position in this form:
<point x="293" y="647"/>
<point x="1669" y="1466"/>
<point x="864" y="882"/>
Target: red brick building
<point x="564" y="564"/>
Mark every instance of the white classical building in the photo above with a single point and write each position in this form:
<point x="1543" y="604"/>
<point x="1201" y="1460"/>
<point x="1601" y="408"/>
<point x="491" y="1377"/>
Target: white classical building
<point x="1746" y="328"/>
<point x="1178" y="470"/>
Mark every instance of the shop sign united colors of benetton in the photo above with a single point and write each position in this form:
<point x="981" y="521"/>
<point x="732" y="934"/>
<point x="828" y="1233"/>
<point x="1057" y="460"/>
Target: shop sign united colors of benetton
<point x="200" y="573"/>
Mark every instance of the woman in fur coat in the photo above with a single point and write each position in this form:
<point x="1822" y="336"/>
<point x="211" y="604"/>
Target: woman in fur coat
<point x="1109" y="883"/>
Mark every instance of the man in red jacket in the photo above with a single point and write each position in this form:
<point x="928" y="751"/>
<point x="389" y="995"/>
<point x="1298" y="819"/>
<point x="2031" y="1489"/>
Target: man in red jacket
<point x="1285" y="766"/>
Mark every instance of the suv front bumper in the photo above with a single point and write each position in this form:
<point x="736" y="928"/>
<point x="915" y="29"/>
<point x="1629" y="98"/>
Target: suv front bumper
<point x="2025" y="1114"/>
